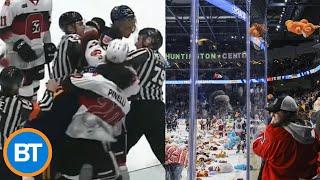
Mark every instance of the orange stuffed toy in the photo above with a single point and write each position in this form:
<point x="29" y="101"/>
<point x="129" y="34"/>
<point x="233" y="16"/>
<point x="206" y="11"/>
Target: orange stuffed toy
<point x="256" y="33"/>
<point x="308" y="28"/>
<point x="301" y="27"/>
<point x="257" y="30"/>
<point x="294" y="27"/>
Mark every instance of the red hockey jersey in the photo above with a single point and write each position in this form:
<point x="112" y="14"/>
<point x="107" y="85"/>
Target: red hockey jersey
<point x="28" y="20"/>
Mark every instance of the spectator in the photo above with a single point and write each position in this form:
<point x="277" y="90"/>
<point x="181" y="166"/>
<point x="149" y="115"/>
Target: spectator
<point x="176" y="160"/>
<point x="287" y="146"/>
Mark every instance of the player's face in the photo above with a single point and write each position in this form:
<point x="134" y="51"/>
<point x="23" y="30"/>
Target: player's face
<point x="127" y="27"/>
<point x="79" y="28"/>
<point x="143" y="42"/>
<point x="139" y="43"/>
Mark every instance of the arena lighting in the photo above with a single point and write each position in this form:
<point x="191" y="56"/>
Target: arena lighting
<point x="242" y="81"/>
<point x="228" y="7"/>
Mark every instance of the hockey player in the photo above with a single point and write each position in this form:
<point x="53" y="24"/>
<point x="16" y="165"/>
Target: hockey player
<point x="25" y="27"/>
<point x="95" y="53"/>
<point x="90" y="112"/>
<point x="15" y="110"/>
<point x="147" y="112"/>
<point x="123" y="24"/>
<point x="240" y="130"/>
<point x="69" y="59"/>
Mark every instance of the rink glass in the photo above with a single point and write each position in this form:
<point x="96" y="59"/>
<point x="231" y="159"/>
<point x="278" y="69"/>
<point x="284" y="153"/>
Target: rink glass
<point x="216" y="72"/>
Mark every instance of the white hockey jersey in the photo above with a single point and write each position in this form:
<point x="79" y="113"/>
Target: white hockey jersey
<point x="239" y="125"/>
<point x="28" y="20"/>
<point x="98" y="118"/>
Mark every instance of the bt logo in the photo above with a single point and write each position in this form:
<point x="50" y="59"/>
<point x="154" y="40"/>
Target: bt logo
<point x="27" y="152"/>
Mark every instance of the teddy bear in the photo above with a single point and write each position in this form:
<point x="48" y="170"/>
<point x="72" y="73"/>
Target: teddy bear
<point x="302" y="27"/>
<point x="233" y="139"/>
<point x="256" y="36"/>
<point x="257" y="30"/>
<point x="221" y="154"/>
<point x="294" y="26"/>
<point x="202" y="173"/>
<point x="308" y="28"/>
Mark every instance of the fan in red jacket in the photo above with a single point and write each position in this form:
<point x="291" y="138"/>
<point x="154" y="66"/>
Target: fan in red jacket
<point x="287" y="146"/>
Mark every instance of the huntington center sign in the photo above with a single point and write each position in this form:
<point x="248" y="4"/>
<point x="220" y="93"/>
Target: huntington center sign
<point x="208" y="56"/>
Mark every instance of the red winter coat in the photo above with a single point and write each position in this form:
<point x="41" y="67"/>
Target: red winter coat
<point x="285" y="157"/>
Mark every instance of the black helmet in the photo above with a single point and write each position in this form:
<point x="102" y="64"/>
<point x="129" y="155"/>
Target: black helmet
<point x="68" y="18"/>
<point x="10" y="80"/>
<point x="155" y="35"/>
<point x="97" y="23"/>
<point x="121" y="12"/>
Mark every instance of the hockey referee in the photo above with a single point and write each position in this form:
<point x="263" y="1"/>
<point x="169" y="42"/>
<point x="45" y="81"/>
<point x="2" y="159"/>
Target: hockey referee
<point x="16" y="111"/>
<point x="147" y="111"/>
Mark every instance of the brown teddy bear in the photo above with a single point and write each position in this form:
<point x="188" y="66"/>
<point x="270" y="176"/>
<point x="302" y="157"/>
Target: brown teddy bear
<point x="303" y="27"/>
<point x="257" y="30"/>
<point x="202" y="174"/>
<point x="294" y="26"/>
<point x="308" y="28"/>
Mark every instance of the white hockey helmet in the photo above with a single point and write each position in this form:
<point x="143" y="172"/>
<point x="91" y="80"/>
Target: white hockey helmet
<point x="117" y="51"/>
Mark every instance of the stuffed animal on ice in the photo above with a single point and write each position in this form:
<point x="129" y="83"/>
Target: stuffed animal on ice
<point x="302" y="27"/>
<point x="233" y="140"/>
<point x="242" y="167"/>
<point x="221" y="102"/>
<point x="222" y="168"/>
<point x="256" y="36"/>
<point x="221" y="154"/>
<point x="202" y="173"/>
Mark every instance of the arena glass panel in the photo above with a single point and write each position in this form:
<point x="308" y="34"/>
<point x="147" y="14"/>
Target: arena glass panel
<point x="177" y="89"/>
<point x="141" y="156"/>
<point x="221" y="107"/>
<point x="258" y="86"/>
<point x="224" y="132"/>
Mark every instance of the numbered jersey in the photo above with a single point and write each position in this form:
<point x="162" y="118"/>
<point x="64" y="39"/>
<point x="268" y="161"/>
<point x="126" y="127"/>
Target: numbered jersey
<point x="28" y="20"/>
<point x="239" y="125"/>
<point x="150" y="66"/>
<point x="100" y="114"/>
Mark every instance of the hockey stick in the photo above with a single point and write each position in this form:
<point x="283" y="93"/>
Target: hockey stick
<point x="49" y="70"/>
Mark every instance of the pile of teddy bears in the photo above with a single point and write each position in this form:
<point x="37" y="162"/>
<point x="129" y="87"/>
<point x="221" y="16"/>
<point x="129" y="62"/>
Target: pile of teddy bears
<point x="302" y="27"/>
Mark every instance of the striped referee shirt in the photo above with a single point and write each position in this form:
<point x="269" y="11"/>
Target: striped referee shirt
<point x="15" y="111"/>
<point x="150" y="66"/>
<point x="68" y="58"/>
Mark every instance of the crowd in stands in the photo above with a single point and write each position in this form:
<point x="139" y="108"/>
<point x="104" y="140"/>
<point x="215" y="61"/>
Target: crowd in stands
<point x="236" y="69"/>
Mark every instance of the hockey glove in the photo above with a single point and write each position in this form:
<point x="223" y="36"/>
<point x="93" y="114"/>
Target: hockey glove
<point x="49" y="51"/>
<point x="24" y="50"/>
